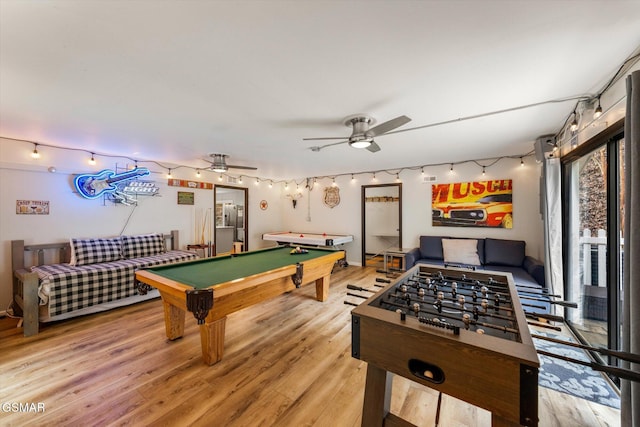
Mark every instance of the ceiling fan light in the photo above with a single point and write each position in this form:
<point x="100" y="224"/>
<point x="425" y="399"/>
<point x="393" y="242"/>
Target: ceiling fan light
<point x="363" y="143"/>
<point x="219" y="169"/>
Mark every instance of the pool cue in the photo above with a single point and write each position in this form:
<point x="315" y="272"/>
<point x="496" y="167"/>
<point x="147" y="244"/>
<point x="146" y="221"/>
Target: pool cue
<point x="630" y="357"/>
<point x="625" y="374"/>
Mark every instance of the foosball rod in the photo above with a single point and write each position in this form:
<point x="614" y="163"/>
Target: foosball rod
<point x="552" y="317"/>
<point x="471" y="321"/>
<point x="451" y="305"/>
<point x="544" y="325"/>
<point x="351" y="303"/>
<point x="569" y="304"/>
<point x="613" y="370"/>
<point x="360" y="288"/>
<point x="630" y="357"/>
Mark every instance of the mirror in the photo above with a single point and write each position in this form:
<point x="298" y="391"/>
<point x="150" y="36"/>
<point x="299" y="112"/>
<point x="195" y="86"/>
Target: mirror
<point x="231" y="219"/>
<point x="381" y="222"/>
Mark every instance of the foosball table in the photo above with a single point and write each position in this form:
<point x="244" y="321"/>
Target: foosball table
<point x="463" y="333"/>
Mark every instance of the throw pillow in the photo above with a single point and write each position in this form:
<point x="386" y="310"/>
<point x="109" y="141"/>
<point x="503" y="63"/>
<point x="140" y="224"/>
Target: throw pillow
<point x="93" y="251"/>
<point x="461" y="251"/>
<point x="142" y="245"/>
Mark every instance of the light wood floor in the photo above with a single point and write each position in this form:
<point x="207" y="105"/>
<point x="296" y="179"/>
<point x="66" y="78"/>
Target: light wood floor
<point x="287" y="362"/>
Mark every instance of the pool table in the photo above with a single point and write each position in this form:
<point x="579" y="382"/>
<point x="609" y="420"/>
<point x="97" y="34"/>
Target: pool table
<point x="212" y="288"/>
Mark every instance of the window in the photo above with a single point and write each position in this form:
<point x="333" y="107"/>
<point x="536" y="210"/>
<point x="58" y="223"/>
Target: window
<point x="593" y="189"/>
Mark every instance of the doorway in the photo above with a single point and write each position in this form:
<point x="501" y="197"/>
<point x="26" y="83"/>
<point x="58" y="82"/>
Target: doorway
<point x="381" y="222"/>
<point x="231" y="219"/>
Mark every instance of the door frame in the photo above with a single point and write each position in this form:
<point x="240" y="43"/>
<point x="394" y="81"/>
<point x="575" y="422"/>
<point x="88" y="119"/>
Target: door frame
<point x="364" y="220"/>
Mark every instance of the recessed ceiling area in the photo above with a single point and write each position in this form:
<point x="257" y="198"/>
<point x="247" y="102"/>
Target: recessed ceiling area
<point x="174" y="81"/>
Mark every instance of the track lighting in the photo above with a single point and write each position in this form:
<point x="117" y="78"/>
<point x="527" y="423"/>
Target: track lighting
<point x="35" y="153"/>
<point x="598" y="112"/>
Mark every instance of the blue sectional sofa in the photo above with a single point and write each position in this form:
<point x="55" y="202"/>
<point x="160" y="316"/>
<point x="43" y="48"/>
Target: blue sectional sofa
<point x="486" y="254"/>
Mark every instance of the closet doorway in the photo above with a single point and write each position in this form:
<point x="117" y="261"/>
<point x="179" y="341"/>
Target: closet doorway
<point x="381" y="222"/>
<point x="231" y="219"/>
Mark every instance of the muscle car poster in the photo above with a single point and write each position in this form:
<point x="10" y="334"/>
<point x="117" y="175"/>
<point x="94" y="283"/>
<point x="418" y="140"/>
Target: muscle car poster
<point x="473" y="204"/>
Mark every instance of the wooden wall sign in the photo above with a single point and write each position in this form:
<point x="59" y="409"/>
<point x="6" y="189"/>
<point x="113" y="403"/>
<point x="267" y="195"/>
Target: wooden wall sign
<point x="190" y="184"/>
<point x="32" y="207"/>
<point x="185" y="198"/>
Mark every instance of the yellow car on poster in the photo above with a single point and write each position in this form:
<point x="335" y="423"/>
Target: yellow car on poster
<point x="494" y="210"/>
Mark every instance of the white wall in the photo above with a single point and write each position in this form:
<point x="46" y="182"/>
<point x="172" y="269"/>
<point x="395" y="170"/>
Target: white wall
<point x="23" y="178"/>
<point x="416" y="205"/>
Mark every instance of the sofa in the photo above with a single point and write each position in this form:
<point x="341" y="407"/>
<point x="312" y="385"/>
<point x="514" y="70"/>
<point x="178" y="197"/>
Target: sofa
<point x="482" y="253"/>
<point x="89" y="276"/>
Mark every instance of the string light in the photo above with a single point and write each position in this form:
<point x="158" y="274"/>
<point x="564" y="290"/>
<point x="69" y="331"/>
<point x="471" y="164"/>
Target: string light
<point x="598" y="112"/>
<point x="92" y="160"/>
<point x="198" y="171"/>
<point x="574" y="123"/>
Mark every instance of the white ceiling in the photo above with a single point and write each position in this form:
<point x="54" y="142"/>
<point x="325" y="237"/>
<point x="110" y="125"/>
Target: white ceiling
<point x="174" y="80"/>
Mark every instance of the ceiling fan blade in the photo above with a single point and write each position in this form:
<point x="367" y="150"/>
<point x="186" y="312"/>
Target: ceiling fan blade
<point x="374" y="148"/>
<point x="323" y="138"/>
<point x="385" y="127"/>
<point x="242" y="167"/>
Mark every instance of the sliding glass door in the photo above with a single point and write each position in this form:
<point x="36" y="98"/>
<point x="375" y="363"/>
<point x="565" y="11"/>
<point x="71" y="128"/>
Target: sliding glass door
<point x="593" y="190"/>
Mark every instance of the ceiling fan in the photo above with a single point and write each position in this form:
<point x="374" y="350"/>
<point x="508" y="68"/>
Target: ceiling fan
<point x="219" y="163"/>
<point x="362" y="135"/>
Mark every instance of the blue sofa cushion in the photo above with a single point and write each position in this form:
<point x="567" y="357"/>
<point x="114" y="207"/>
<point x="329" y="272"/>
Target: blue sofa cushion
<point x="504" y="252"/>
<point x="431" y="247"/>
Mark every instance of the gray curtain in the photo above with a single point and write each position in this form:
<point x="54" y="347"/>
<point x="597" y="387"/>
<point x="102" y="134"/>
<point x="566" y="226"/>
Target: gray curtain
<point x="630" y="391"/>
<point x="552" y="213"/>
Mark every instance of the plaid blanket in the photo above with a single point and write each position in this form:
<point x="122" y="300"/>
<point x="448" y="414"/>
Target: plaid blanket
<point x="66" y="288"/>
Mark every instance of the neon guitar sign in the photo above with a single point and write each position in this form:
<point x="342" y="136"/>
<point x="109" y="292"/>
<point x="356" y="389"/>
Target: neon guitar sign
<point x="92" y="186"/>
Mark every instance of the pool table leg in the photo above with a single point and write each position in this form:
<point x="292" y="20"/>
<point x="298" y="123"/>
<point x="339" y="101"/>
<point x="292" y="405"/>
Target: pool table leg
<point x="212" y="340"/>
<point x="322" y="288"/>
<point x="173" y="320"/>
